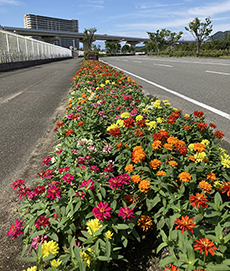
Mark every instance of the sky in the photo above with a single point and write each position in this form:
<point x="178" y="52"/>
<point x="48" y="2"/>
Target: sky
<point x="129" y="18"/>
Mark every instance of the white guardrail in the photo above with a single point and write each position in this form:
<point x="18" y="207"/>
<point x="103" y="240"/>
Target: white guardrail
<point x="15" y="48"/>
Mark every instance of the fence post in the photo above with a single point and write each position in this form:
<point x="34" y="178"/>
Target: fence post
<point x="8" y="47"/>
<point x="19" y="57"/>
<point x="27" y="57"/>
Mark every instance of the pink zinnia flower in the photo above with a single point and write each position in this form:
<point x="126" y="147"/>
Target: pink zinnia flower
<point x="63" y="169"/>
<point x="107" y="148"/>
<point x="54" y="192"/>
<point x="126" y="213"/>
<point x="94" y="168"/>
<point x="59" y="151"/>
<point x="23" y="191"/>
<point x="55" y="216"/>
<point x="125" y="178"/>
<point x="38" y="240"/>
<point x="116" y="183"/>
<point x="15" y="230"/>
<point x="80" y="194"/>
<point x="68" y="178"/>
<point x="102" y="211"/>
<point x="42" y="221"/>
<point x="86" y="184"/>
<point x="46" y="160"/>
<point x="18" y="184"/>
<point x="39" y="190"/>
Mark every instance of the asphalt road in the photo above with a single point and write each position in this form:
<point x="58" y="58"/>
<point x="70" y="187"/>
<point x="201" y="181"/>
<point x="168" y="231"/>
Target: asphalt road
<point x="188" y="83"/>
<point x="28" y="100"/>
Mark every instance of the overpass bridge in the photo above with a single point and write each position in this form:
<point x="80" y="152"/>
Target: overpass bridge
<point x="50" y="35"/>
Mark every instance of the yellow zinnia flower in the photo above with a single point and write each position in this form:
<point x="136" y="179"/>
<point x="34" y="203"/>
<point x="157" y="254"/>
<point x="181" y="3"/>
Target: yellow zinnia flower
<point x="48" y="247"/>
<point x="139" y="117"/>
<point x="34" y="268"/>
<point x="159" y="120"/>
<point x="199" y="156"/>
<point x="93" y="225"/>
<point x="86" y="257"/>
<point x="120" y="123"/>
<point x="55" y="263"/>
<point x="191" y="147"/>
<point x="125" y="115"/>
<point x="205" y="142"/>
<point x="151" y="124"/>
<point x="113" y="126"/>
<point x="108" y="235"/>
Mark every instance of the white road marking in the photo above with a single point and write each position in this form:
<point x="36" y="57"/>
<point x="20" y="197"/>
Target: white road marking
<point x="9" y="98"/>
<point x="163" y="65"/>
<point x="212" y="109"/>
<point x="137" y="61"/>
<point x="224" y="73"/>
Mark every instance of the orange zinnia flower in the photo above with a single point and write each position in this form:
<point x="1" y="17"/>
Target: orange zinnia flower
<point x="80" y="123"/>
<point x="141" y="123"/>
<point x="156" y="144"/>
<point x="60" y="124"/>
<point x="129" y="168"/>
<point x="119" y="145"/>
<point x="172" y="140"/>
<point x="185" y="223"/>
<point x="129" y="199"/>
<point x="173" y="268"/>
<point x="185" y="177"/>
<point x="200" y="147"/>
<point x="144" y="186"/>
<point x="226" y="188"/>
<point x="168" y="146"/>
<point x="136" y="178"/>
<point x="199" y="200"/>
<point x="206" y="245"/>
<point x="144" y="222"/>
<point x="155" y="163"/>
<point x="187" y="127"/>
<point x="211" y="176"/>
<point x="172" y="163"/>
<point x="192" y="158"/>
<point x="206" y="187"/>
<point x="161" y="173"/>
<point x="219" y="134"/>
<point x="138" y="154"/>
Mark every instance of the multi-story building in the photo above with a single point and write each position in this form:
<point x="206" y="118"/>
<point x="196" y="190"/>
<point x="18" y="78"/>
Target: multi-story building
<point x="48" y="23"/>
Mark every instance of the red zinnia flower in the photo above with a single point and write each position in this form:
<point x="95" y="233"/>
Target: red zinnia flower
<point x="69" y="132"/>
<point x="115" y="132"/>
<point x="212" y="125"/>
<point x="39" y="190"/>
<point x="199" y="199"/>
<point x="54" y="192"/>
<point x="219" y="134"/>
<point x="23" y="191"/>
<point x="141" y="123"/>
<point x="187" y="127"/>
<point x="185" y="223"/>
<point x="201" y="125"/>
<point x="15" y="230"/>
<point x="129" y="122"/>
<point x="226" y="188"/>
<point x="102" y="211"/>
<point x="18" y="183"/>
<point x="172" y="268"/>
<point x="42" y="221"/>
<point x="126" y="213"/>
<point x="198" y="114"/>
<point x="206" y="245"/>
<point x="46" y="160"/>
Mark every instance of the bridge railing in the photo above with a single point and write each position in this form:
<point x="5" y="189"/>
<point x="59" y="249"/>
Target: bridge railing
<point x="15" y="48"/>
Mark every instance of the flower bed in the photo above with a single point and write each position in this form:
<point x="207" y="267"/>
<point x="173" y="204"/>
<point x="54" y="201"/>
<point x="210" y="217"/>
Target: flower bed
<point x="124" y="162"/>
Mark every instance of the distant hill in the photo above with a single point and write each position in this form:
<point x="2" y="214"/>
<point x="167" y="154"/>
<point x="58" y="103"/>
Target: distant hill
<point x="220" y="34"/>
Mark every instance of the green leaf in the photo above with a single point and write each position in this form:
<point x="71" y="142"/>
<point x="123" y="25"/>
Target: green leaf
<point x="108" y="249"/>
<point x="103" y="258"/>
<point x="152" y="202"/>
<point x="167" y="260"/>
<point x="162" y="245"/>
<point x="29" y="259"/>
<point x="122" y="226"/>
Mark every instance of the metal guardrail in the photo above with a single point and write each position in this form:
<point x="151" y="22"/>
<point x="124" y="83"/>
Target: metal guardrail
<point x="14" y="48"/>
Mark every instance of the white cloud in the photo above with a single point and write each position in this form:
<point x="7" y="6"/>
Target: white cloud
<point x="210" y="10"/>
<point x="10" y="2"/>
<point x="92" y="6"/>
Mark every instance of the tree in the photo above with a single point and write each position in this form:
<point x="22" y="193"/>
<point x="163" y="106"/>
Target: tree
<point x="125" y="49"/>
<point x="89" y="37"/>
<point x="112" y="47"/>
<point x="150" y="46"/>
<point x="172" y="38"/>
<point x="199" y="30"/>
<point x="158" y="37"/>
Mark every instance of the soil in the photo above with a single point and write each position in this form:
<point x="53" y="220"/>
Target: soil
<point x="140" y="256"/>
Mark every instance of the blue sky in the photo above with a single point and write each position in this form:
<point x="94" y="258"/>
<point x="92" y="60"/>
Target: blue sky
<point x="122" y="17"/>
